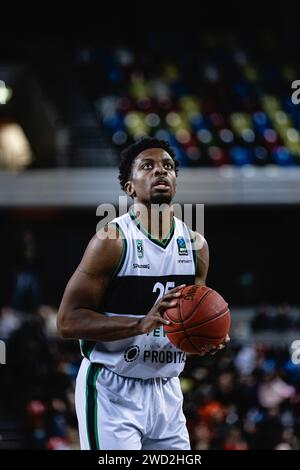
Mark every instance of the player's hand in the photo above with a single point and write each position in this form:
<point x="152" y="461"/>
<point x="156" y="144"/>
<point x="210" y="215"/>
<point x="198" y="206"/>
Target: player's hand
<point x="221" y="346"/>
<point x="154" y="318"/>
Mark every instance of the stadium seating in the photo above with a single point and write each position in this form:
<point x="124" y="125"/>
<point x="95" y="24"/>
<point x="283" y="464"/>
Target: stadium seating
<point x="217" y="104"/>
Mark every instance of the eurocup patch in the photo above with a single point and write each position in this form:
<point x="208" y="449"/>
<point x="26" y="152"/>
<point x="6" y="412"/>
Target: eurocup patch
<point x="182" y="250"/>
<point x="139" y="248"/>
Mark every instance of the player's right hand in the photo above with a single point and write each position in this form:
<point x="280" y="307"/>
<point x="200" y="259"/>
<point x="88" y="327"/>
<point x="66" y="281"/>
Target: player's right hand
<point x="154" y="318"/>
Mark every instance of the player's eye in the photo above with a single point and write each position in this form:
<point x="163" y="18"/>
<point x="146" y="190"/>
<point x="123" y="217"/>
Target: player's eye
<point x="147" y="166"/>
<point x="169" y="166"/>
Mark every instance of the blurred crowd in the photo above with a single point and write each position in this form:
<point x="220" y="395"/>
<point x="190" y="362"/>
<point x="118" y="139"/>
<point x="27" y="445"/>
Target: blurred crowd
<point x="247" y="397"/>
<point x="37" y="384"/>
<point x="214" y="97"/>
<point x="278" y="319"/>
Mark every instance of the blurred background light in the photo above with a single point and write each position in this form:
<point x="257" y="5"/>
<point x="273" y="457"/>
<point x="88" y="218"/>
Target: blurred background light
<point x="204" y="136"/>
<point x="5" y="93"/>
<point x="15" y="152"/>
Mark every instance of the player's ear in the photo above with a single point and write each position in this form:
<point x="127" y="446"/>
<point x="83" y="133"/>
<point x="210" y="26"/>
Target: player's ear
<point x="129" y="189"/>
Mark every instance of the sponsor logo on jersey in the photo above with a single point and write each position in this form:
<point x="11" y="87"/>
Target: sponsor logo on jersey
<point x="139" y="248"/>
<point x="154" y="356"/>
<point x="143" y="266"/>
<point x="184" y="261"/>
<point x="162" y="356"/>
<point x="132" y="353"/>
<point x="182" y="250"/>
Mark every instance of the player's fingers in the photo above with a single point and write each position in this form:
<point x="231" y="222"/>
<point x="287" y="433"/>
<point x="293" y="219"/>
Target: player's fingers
<point x="165" y="304"/>
<point x="159" y="318"/>
<point x="224" y="343"/>
<point x="174" y="295"/>
<point x="176" y="289"/>
<point x="213" y="351"/>
<point x="163" y="321"/>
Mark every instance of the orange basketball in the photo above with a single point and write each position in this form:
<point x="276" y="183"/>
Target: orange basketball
<point x="199" y="321"/>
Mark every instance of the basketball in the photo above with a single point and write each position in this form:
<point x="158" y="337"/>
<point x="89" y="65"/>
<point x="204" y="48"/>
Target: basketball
<point x="200" y="320"/>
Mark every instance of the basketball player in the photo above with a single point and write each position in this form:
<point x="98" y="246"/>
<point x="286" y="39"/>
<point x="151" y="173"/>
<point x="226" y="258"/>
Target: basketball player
<point x="128" y="393"/>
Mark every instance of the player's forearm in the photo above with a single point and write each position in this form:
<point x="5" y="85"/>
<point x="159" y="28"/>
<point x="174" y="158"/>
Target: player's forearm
<point x="87" y="324"/>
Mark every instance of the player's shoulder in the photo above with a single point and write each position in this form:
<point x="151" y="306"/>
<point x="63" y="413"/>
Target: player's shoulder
<point x="111" y="232"/>
<point x="107" y="239"/>
<point x="120" y="223"/>
<point x="103" y="251"/>
<point x="198" y="240"/>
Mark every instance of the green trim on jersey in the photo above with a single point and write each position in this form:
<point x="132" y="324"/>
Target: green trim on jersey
<point x="91" y="406"/>
<point x="194" y="252"/>
<point x="162" y="243"/>
<point x="86" y="347"/>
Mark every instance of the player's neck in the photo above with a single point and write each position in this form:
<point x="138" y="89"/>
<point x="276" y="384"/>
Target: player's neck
<point x="156" y="220"/>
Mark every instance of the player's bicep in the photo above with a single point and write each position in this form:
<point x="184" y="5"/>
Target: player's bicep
<point x="84" y="290"/>
<point x="89" y="282"/>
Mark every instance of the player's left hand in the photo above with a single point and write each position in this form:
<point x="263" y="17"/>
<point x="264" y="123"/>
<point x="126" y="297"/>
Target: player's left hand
<point x="212" y="351"/>
<point x="221" y="346"/>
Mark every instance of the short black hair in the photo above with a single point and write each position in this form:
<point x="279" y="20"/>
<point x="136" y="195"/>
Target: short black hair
<point x="132" y="151"/>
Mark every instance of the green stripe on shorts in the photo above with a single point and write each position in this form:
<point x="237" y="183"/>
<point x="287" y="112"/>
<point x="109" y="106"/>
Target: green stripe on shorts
<point x="92" y="406"/>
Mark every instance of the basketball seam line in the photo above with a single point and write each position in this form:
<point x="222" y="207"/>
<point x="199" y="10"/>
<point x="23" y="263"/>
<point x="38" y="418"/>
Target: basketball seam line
<point x="185" y="333"/>
<point x="199" y="302"/>
<point x="203" y="323"/>
<point x="219" y="314"/>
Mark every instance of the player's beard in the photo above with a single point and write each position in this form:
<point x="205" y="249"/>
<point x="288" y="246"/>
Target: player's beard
<point x="161" y="199"/>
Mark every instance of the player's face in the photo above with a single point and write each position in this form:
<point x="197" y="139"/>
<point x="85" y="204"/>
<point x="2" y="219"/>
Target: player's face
<point x="153" y="177"/>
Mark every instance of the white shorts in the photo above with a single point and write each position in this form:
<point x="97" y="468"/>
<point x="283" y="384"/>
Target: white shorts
<point x="121" y="413"/>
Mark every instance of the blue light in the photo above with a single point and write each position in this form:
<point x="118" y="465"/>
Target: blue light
<point x="281" y="156"/>
<point x="240" y="156"/>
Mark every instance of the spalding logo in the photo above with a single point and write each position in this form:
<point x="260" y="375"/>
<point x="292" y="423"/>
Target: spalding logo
<point x="190" y="295"/>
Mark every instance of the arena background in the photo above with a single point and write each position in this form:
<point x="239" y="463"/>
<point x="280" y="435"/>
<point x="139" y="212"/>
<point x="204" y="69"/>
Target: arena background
<point x="222" y="95"/>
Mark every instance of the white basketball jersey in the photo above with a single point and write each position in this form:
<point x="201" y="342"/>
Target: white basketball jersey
<point x="148" y="268"/>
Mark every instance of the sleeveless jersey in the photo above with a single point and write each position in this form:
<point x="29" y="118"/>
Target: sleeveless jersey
<point x="148" y="268"/>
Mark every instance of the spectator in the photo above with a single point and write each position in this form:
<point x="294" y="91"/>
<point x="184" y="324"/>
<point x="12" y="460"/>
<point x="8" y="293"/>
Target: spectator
<point x="9" y="322"/>
<point x="273" y="390"/>
<point x="234" y="440"/>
